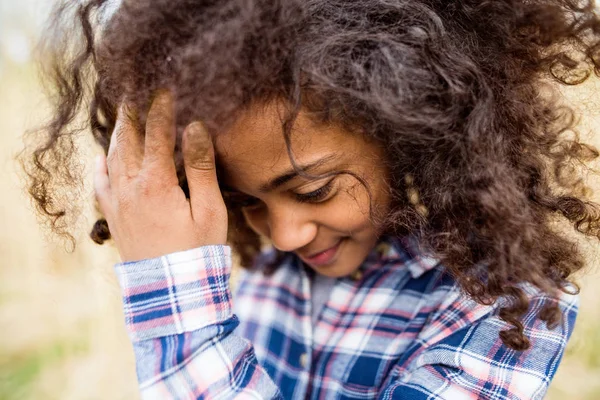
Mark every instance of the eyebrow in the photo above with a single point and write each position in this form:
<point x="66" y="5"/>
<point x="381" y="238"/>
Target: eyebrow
<point x="293" y="173"/>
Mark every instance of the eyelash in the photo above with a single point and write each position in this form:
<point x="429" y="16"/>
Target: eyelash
<point x="316" y="195"/>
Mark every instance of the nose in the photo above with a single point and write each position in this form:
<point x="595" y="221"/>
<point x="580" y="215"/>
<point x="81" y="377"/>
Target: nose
<point x="290" y="230"/>
<point x="287" y="227"/>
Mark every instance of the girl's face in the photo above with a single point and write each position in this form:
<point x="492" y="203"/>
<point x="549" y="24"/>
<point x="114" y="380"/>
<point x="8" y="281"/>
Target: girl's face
<point x="327" y="222"/>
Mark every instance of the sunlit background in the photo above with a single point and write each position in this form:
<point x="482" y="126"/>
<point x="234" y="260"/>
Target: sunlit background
<point x="61" y="329"/>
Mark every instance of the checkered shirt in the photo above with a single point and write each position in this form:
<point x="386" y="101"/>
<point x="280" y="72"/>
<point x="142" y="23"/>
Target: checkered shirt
<point x="398" y="328"/>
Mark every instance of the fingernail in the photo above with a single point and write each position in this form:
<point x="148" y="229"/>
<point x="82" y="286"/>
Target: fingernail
<point x="162" y="95"/>
<point x="128" y="111"/>
<point x="198" y="132"/>
<point x="98" y="162"/>
<point x="124" y="109"/>
<point x="197" y="141"/>
<point x="196" y="126"/>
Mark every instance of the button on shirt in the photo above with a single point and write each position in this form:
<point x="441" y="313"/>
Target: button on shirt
<point x="402" y="330"/>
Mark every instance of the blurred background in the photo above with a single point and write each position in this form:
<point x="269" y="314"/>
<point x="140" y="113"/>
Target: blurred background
<point x="61" y="328"/>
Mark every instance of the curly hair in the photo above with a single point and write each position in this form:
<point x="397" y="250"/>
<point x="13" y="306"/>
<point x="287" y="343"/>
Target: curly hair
<point x="484" y="159"/>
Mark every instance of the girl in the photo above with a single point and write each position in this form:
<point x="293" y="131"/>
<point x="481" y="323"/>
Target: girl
<point x="389" y="172"/>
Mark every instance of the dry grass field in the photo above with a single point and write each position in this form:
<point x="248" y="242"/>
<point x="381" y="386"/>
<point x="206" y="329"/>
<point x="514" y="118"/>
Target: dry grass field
<point x="62" y="335"/>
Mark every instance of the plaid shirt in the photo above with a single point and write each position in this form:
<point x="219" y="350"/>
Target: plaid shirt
<point x="399" y="328"/>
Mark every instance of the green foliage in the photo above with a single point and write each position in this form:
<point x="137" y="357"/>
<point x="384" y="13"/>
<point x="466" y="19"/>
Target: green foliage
<point x="19" y="372"/>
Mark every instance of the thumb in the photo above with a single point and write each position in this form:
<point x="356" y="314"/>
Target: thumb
<point x="199" y="164"/>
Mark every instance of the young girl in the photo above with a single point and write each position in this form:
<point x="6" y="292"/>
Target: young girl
<point x="391" y="174"/>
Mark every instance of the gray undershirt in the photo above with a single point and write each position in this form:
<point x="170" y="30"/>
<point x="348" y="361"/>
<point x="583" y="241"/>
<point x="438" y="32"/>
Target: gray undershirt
<point x="320" y="289"/>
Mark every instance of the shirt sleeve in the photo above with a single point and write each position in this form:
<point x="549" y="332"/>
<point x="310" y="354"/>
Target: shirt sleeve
<point x="464" y="358"/>
<point x="179" y="317"/>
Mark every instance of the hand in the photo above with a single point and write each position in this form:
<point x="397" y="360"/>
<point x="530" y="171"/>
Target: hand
<point x="138" y="191"/>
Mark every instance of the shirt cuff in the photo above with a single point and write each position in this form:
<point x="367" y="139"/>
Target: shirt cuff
<point x="176" y="293"/>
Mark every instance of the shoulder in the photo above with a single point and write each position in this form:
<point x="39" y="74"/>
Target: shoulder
<point x="460" y="342"/>
<point x="450" y="306"/>
<point x="455" y="324"/>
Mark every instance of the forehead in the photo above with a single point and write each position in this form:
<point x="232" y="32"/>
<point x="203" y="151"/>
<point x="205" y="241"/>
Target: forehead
<point x="253" y="150"/>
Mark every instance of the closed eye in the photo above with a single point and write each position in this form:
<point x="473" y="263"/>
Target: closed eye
<point x="317" y="195"/>
<point x="237" y="199"/>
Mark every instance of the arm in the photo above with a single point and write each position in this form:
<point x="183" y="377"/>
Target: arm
<point x="179" y="317"/>
<point x="471" y="362"/>
<point x="177" y="307"/>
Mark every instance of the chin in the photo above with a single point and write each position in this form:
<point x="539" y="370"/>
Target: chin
<point x="338" y="269"/>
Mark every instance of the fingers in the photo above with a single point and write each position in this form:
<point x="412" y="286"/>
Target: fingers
<point x="199" y="164"/>
<point x="112" y="162"/>
<point x="134" y="161"/>
<point x="102" y="185"/>
<point x="128" y="140"/>
<point x="160" y="137"/>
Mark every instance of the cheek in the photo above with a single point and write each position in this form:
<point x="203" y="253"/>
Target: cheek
<point x="362" y="209"/>
<point x="348" y="212"/>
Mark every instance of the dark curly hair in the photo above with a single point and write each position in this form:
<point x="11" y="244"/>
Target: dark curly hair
<point x="484" y="158"/>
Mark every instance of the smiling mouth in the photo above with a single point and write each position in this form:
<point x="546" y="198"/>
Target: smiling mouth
<point x="323" y="257"/>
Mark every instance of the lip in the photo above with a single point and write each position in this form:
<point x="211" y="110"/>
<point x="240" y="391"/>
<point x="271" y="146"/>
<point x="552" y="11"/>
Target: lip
<point x="323" y="257"/>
